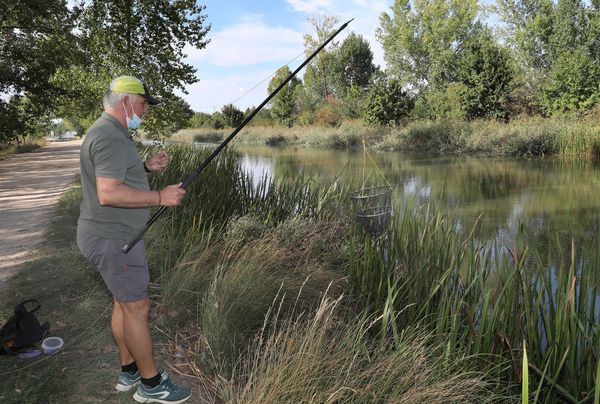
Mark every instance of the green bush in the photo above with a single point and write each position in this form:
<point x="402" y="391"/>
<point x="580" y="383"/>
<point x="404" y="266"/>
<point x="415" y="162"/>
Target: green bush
<point x="200" y="120"/>
<point x="486" y="73"/>
<point x="352" y="104"/>
<point x="217" y="121"/>
<point x="387" y="103"/>
<point x="232" y="116"/>
<point x="572" y="84"/>
<point x="328" y="116"/>
<point x="447" y="103"/>
<point x="307" y="118"/>
<point x="27" y="147"/>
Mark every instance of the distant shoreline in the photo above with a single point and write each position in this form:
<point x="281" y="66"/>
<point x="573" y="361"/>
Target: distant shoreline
<point x="527" y="137"/>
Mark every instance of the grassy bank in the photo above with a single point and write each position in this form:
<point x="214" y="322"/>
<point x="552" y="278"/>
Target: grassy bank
<point x="472" y="299"/>
<point x="248" y="294"/>
<point x="271" y="292"/>
<point x="77" y="306"/>
<point x="568" y="137"/>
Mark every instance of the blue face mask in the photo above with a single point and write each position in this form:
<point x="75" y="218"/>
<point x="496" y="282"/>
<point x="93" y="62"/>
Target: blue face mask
<point x="135" y="121"/>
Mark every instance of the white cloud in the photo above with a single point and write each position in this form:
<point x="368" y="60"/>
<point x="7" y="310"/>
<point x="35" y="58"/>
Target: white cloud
<point x="249" y="43"/>
<point x="210" y="95"/>
<point x="311" y="6"/>
<point x="366" y="15"/>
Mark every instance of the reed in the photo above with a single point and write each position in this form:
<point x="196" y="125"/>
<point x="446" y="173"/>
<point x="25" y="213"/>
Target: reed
<point x="235" y="245"/>
<point x="232" y="244"/>
<point x="486" y="299"/>
<point x="525" y="377"/>
<point x="580" y="140"/>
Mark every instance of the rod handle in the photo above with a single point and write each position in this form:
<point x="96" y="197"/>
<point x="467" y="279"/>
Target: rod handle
<point x="134" y="240"/>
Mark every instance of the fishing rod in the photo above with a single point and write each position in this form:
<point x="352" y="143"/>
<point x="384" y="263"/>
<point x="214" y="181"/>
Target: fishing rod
<point x="138" y="236"/>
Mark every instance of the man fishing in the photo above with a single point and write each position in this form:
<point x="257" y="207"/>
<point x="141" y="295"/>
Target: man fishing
<point x="116" y="203"/>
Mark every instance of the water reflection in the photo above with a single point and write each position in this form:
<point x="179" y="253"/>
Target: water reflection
<point x="549" y="196"/>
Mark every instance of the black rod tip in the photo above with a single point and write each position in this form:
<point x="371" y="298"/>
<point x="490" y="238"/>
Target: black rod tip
<point x="346" y="24"/>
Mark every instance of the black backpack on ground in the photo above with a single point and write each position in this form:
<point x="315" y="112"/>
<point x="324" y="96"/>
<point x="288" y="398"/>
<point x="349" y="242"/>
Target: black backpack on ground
<point x="22" y="330"/>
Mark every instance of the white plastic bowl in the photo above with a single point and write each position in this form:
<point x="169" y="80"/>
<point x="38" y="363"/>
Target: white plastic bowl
<point x="51" y="345"/>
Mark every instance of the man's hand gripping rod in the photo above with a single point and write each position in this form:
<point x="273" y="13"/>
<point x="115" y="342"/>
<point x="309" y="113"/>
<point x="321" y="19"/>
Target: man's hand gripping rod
<point x="193" y="175"/>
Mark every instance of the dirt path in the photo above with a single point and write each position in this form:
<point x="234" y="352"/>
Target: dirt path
<point x="30" y="186"/>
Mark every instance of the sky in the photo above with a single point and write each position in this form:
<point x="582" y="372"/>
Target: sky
<point x="250" y="40"/>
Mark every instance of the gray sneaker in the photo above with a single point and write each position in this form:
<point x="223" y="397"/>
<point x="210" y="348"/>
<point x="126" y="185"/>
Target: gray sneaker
<point x="127" y="380"/>
<point x="166" y="392"/>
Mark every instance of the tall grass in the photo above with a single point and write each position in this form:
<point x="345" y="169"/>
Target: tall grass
<point x="230" y="285"/>
<point x="225" y="255"/>
<point x="486" y="299"/>
<point x="233" y="246"/>
<point x="323" y="356"/>
<point x="580" y="140"/>
<point x="525" y="377"/>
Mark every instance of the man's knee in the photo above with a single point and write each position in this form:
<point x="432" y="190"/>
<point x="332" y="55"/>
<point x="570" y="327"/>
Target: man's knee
<point x="136" y="308"/>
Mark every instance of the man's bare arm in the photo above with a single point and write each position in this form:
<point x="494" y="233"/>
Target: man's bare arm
<point x="112" y="192"/>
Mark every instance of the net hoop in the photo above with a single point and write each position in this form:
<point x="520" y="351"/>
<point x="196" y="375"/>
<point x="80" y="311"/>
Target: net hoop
<point x="372" y="208"/>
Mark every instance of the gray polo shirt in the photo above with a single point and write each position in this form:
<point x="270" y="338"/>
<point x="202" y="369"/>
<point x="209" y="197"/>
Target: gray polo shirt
<point x="109" y="151"/>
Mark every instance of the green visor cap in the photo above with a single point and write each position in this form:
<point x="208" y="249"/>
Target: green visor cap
<point x="132" y="85"/>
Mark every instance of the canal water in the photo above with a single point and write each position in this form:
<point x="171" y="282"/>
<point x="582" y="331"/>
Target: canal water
<point x="551" y="197"/>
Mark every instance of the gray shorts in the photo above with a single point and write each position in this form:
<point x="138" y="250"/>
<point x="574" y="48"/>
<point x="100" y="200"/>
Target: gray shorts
<point x="126" y="275"/>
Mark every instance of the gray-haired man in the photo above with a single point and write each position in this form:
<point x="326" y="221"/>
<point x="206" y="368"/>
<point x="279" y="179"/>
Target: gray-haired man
<point x="116" y="202"/>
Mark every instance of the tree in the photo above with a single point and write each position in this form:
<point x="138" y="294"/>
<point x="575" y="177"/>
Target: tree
<point x="351" y="105"/>
<point x="486" y="70"/>
<point x="171" y="115"/>
<point x="353" y="64"/>
<point x="529" y="29"/>
<point x="570" y="25"/>
<point x="36" y="39"/>
<point x="387" y="102"/>
<point x="319" y="81"/>
<point x="217" y="121"/>
<point x="200" y="120"/>
<point x="144" y="38"/>
<point x="421" y="44"/>
<point x="558" y="47"/>
<point x="353" y="70"/>
<point x="572" y="85"/>
<point x="593" y="32"/>
<point x="232" y="116"/>
<point x="262" y="117"/>
<point x="441" y="103"/>
<point x="283" y="104"/>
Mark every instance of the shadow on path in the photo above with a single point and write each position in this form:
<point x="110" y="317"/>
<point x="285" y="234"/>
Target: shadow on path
<point x="30" y="186"/>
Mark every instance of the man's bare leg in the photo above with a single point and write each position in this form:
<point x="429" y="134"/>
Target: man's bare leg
<point x="117" y="332"/>
<point x="137" y="337"/>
